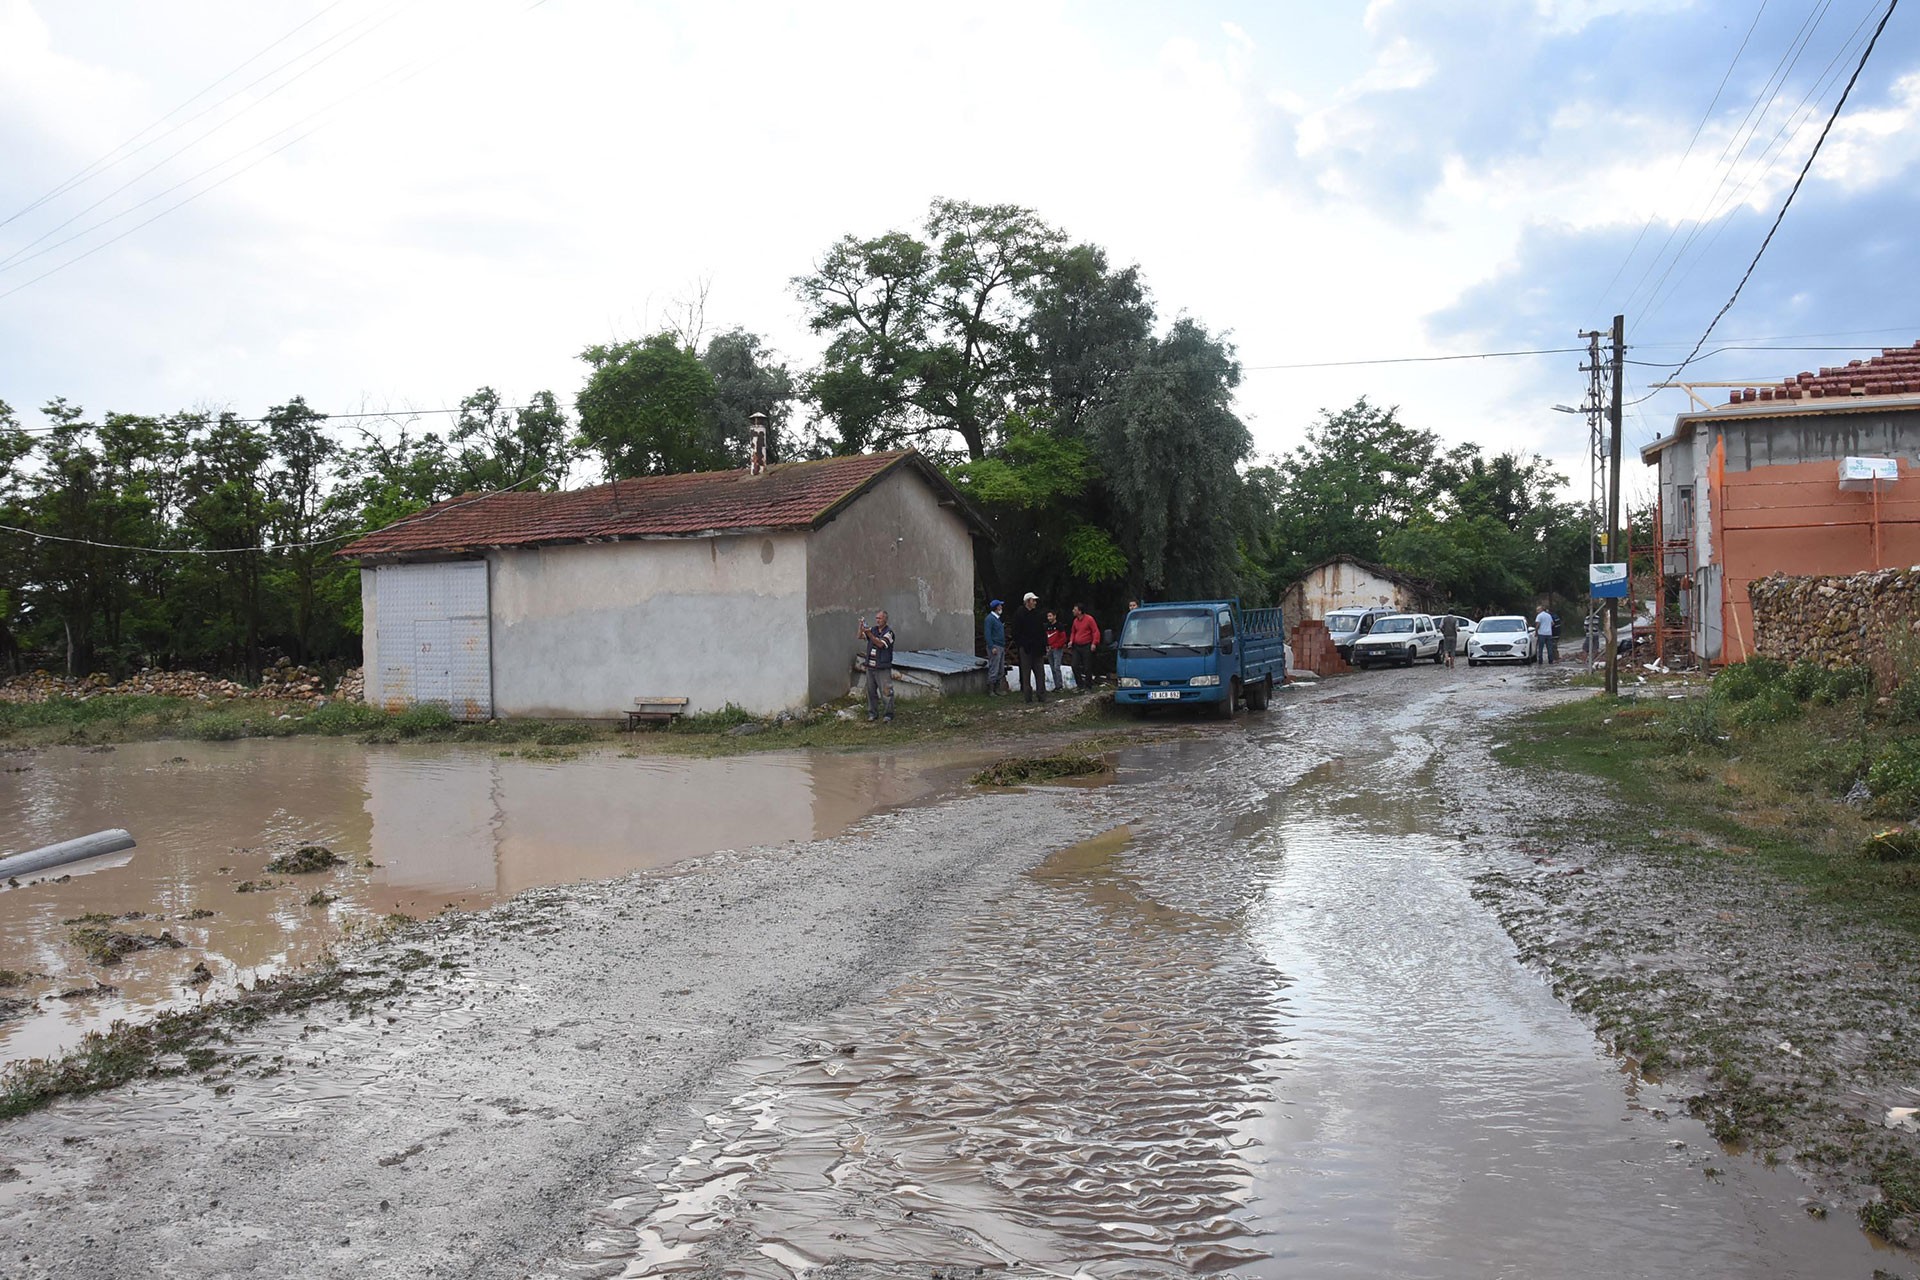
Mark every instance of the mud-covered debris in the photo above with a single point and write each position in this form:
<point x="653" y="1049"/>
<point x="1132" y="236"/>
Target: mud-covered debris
<point x="1895" y="844"/>
<point x="255" y="886"/>
<point x="198" y="913"/>
<point x="11" y="1008"/>
<point x="200" y="976"/>
<point x="321" y="898"/>
<point x="1022" y="770"/>
<point x="105" y="946"/>
<point x="307" y="858"/>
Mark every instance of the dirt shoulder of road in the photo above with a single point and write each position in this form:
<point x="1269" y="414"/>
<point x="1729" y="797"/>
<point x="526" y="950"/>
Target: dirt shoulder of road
<point x="1692" y="878"/>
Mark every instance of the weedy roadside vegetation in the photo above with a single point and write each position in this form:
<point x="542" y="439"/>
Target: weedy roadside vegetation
<point x="1806" y="781"/>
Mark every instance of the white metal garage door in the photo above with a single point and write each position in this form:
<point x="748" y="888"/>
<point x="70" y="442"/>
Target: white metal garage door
<point x="431" y="627"/>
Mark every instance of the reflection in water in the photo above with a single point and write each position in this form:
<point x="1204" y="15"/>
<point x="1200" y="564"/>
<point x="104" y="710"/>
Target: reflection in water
<point x="422" y="827"/>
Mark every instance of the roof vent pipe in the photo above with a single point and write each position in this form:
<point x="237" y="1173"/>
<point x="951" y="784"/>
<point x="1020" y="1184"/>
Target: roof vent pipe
<point x="757" y="459"/>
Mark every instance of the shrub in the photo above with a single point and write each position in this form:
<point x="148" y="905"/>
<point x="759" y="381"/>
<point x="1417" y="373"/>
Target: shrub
<point x="1904" y="705"/>
<point x="1694" y="722"/>
<point x="1745" y="680"/>
<point x="343" y="717"/>
<point x="1842" y="683"/>
<point x="217" y="726"/>
<point x="1774" y="704"/>
<point x="1804" y="679"/>
<point x="1894" y="779"/>
<point x="1833" y="768"/>
<point x="422" y="721"/>
<point x="710" y="721"/>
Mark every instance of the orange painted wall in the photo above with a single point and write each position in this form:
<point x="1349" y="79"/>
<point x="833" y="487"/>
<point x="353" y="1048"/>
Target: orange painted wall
<point x="1794" y="519"/>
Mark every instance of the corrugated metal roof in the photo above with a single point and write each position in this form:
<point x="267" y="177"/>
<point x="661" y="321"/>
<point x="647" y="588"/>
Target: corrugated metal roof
<point x="945" y="662"/>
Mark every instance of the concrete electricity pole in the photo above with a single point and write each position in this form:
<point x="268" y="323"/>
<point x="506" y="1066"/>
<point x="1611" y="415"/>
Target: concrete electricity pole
<point x="1614" y="540"/>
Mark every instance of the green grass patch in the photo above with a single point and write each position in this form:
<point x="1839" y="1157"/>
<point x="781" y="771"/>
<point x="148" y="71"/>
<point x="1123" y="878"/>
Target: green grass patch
<point x="1025" y="770"/>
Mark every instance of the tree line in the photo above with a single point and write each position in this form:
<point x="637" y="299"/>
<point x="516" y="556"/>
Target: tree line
<point x="1100" y="442"/>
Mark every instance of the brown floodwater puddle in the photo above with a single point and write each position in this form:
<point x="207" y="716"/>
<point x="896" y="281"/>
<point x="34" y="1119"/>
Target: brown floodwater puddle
<point x="422" y="829"/>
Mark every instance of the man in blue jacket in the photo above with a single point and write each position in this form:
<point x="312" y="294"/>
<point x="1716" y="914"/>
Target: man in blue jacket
<point x="996" y="633"/>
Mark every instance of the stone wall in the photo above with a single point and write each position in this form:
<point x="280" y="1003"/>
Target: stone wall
<point x="1866" y="619"/>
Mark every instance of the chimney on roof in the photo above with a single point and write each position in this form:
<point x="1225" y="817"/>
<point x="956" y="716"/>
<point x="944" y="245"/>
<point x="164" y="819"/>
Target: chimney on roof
<point x="757" y="459"/>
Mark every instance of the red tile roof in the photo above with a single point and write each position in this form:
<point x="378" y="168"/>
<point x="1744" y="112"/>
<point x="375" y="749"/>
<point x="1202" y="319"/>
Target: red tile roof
<point x="787" y="495"/>
<point x="1894" y="372"/>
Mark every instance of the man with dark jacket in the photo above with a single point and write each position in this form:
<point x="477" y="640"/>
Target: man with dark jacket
<point x="1030" y="635"/>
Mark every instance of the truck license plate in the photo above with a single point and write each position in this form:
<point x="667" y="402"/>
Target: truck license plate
<point x="1158" y="694"/>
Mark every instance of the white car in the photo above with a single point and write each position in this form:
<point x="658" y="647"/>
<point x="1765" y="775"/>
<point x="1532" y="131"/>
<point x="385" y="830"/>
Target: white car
<point x="1404" y="638"/>
<point x="1503" y="638"/>
<point x="1463" y="629"/>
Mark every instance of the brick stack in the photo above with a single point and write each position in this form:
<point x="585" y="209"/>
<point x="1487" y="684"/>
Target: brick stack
<point x="1313" y="650"/>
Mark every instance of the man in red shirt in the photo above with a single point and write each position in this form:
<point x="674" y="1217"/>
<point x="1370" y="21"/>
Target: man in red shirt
<point x="1085" y="638"/>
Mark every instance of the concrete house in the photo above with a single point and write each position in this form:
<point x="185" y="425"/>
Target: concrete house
<point x="1349" y="582"/>
<point x="741" y="587"/>
<point x="1764" y="484"/>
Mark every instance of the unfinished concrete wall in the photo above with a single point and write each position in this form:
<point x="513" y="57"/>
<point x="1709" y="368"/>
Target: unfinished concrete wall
<point x="580" y="631"/>
<point x="1862" y="619"/>
<point x="894" y="548"/>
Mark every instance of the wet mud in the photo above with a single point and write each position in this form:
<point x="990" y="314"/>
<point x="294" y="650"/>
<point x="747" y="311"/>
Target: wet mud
<point x="1235" y="1011"/>
<point x="257" y="857"/>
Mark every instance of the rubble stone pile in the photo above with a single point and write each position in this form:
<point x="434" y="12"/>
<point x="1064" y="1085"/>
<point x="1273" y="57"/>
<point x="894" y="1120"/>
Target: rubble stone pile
<point x="1866" y="619"/>
<point x="282" y="682"/>
<point x="352" y="687"/>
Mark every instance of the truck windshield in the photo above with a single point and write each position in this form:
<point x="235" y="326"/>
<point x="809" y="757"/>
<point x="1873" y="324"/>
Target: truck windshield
<point x="1343" y="622"/>
<point x="1168" y="631"/>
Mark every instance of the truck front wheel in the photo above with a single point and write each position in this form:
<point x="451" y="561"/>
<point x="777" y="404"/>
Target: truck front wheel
<point x="1225" y="708"/>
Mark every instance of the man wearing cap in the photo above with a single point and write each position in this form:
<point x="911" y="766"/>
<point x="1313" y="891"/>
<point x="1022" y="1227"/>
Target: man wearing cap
<point x="1030" y="634"/>
<point x="996" y="634"/>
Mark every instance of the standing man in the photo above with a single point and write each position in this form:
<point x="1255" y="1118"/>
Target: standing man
<point x="1549" y="643"/>
<point x="1030" y="635"/>
<point x="996" y="635"/>
<point x="1449" y="636"/>
<point x="879" y="642"/>
<point x="1085" y="639"/>
<point x="1056" y="649"/>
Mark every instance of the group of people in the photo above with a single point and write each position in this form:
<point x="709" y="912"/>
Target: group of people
<point x="1039" y="640"/>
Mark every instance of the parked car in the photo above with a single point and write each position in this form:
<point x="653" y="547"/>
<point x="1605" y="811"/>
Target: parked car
<point x="1404" y="638"/>
<point x="1347" y="625"/>
<point x="1501" y="638"/>
<point x="1463" y="629"/>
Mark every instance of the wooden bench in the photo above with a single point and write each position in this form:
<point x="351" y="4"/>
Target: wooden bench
<point x="655" y="710"/>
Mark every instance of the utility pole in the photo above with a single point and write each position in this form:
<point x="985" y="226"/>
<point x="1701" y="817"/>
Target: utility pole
<point x="1595" y="406"/>
<point x="1613" y="505"/>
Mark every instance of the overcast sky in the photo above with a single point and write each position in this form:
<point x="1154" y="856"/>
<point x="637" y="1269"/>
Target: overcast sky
<point x="389" y="203"/>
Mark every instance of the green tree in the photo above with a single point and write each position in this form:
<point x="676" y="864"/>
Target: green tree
<point x="748" y="380"/>
<point x="495" y="445"/>
<point x="647" y="410"/>
<point x="229" y="510"/>
<point x="929" y="337"/>
<point x="1171" y="446"/>
<point x="1086" y="325"/>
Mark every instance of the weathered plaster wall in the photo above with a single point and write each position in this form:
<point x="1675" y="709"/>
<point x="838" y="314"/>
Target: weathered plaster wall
<point x="1341" y="586"/>
<point x="583" y="630"/>
<point x="895" y="548"/>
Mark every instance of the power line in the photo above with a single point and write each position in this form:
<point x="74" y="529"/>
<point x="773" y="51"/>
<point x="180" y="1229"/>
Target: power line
<point x="108" y="160"/>
<point x="1788" y="202"/>
<point x="1471" y="355"/>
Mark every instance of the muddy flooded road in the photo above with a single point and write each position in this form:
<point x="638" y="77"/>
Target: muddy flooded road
<point x="1235" y="1012"/>
<point x="418" y="829"/>
<point x="1259" y="1027"/>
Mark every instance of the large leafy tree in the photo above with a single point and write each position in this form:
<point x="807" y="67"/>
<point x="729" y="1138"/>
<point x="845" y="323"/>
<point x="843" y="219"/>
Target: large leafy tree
<point x="748" y="380"/>
<point x="495" y="445"/>
<point x="1171" y="446"/>
<point x="647" y="409"/>
<point x="928" y="337"/>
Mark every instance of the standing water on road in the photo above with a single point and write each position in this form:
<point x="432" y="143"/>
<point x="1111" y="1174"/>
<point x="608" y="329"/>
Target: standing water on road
<point x="1262" y="1028"/>
<point x="420" y="828"/>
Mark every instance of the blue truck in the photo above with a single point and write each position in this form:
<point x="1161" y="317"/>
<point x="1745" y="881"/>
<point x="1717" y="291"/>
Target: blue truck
<point x="1207" y="652"/>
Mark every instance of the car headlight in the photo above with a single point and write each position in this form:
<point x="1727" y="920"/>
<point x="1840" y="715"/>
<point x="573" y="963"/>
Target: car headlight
<point x="1204" y="680"/>
<point x="1129" y="682"/>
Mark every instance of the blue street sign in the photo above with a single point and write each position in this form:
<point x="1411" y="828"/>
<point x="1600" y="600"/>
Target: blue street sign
<point x="1607" y="581"/>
